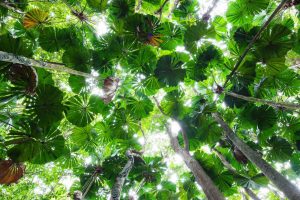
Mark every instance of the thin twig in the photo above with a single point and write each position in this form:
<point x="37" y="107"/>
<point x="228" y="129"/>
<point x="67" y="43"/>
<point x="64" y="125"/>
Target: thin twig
<point x="241" y="58"/>
<point x="160" y="10"/>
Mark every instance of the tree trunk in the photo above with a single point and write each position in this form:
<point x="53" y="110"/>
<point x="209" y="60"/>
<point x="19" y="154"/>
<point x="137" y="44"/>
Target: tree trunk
<point x="244" y="196"/>
<point x="206" y="16"/>
<point x="173" y="8"/>
<point x="276" y="193"/>
<point x="231" y="168"/>
<point x="290" y="190"/>
<point x="9" y="57"/>
<point x="251" y="194"/>
<point x="289" y="106"/>
<point x="118" y="186"/>
<point x="210" y="189"/>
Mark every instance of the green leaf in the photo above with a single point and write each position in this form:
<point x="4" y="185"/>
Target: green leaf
<point x="207" y="55"/>
<point x="35" y="144"/>
<point x="84" y="137"/>
<point x="53" y="39"/>
<point x="46" y="106"/>
<point x="77" y="58"/>
<point x="172" y="36"/>
<point x="277" y="39"/>
<point x="237" y="14"/>
<point x="97" y="5"/>
<point x="241" y="12"/>
<point x="295" y="163"/>
<point x="77" y="83"/>
<point x="172" y="105"/>
<point x="281" y="149"/>
<point x="169" y="70"/>
<point x="83" y="109"/>
<point x="144" y="61"/>
<point x="263" y="117"/>
<point x="140" y="107"/>
<point x="121" y="8"/>
<point x="208" y="131"/>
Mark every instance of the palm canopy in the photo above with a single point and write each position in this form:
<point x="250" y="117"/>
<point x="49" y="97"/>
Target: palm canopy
<point x="84" y="82"/>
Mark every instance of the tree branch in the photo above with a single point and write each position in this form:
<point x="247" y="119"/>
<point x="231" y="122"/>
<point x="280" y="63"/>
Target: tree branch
<point x="224" y="161"/>
<point x="183" y="131"/>
<point x="241" y="58"/>
<point x="160" y="10"/>
<point x="206" y="15"/>
<point x="12" y="58"/>
<point x="5" y="5"/>
<point x="289" y="106"/>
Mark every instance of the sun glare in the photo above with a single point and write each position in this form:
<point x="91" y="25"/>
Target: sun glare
<point x="101" y="25"/>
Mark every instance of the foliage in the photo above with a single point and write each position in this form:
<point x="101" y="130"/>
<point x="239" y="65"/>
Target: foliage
<point x="70" y="131"/>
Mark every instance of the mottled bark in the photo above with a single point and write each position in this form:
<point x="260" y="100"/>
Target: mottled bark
<point x="290" y="190"/>
<point x="251" y="194"/>
<point x="206" y="15"/>
<point x="209" y="188"/>
<point x="138" y="6"/>
<point x="289" y="106"/>
<point x="12" y="58"/>
<point x="16" y="10"/>
<point x="118" y="186"/>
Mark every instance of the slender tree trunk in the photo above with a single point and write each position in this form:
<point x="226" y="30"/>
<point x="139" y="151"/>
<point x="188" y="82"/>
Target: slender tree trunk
<point x="290" y="190"/>
<point x="251" y="194"/>
<point x="206" y="15"/>
<point x="173" y="7"/>
<point x="138" y="6"/>
<point x="289" y="106"/>
<point x="12" y="58"/>
<point x="231" y="168"/>
<point x="266" y="24"/>
<point x="210" y="189"/>
<point x="244" y="196"/>
<point x="118" y="186"/>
